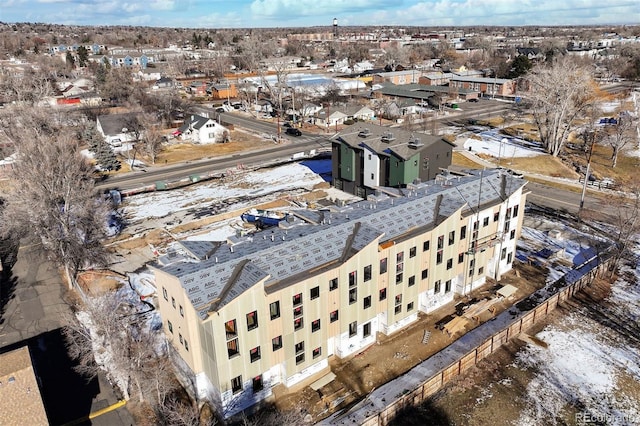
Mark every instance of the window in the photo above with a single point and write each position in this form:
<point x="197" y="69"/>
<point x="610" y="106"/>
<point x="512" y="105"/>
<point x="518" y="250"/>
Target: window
<point x="274" y="309"/>
<point x="256" y="384"/>
<point x="383" y="265"/>
<point x="333" y="316"/>
<point x="496" y="216"/>
<point x="509" y="257"/>
<point x="353" y="296"/>
<point x="425" y="246"/>
<point x="366" y="330"/>
<point x="297" y="312"/>
<point x="315" y="325"/>
<point x="173" y="302"/>
<point x="366" y="302"/>
<point x="449" y="264"/>
<point x="353" y="328"/>
<point x="436" y="287"/>
<point x="471" y="272"/>
<point x="475" y="225"/>
<point x="297" y="299"/>
<point x="186" y="345"/>
<point x="399" y="278"/>
<point x="353" y="278"/>
<point x="485" y="222"/>
<point x="399" y="267"/>
<point x="409" y="307"/>
<point x="367" y="273"/>
<point x="230" y="328"/>
<point x="481" y="270"/>
<point x="507" y="225"/>
<point x="439" y="256"/>
<point x="447" y="286"/>
<point x="276" y="343"/>
<point x="440" y="242"/>
<point x="452" y="237"/>
<point x="299" y="352"/>
<point x="236" y="384"/>
<point x="425" y="274"/>
<point x="254" y="354"/>
<point x="503" y="254"/>
<point x="170" y="326"/>
<point x="512" y="234"/>
<point x="181" y="340"/>
<point x="232" y="348"/>
<point x="412" y="280"/>
<point x="298" y="323"/>
<point x="400" y="257"/>
<point x="508" y="215"/>
<point x="165" y="294"/>
<point x="317" y="352"/>
<point x="412" y="252"/>
<point x="315" y="293"/>
<point x="333" y="284"/>
<point x="181" y="311"/>
<point x="515" y="211"/>
<point x="252" y="320"/>
<point x="371" y="174"/>
<point x="463" y="232"/>
<point x="398" y="304"/>
<point x="382" y="294"/>
<point x="460" y="257"/>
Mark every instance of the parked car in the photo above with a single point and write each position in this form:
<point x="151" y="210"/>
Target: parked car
<point x="473" y="100"/>
<point x="293" y="131"/>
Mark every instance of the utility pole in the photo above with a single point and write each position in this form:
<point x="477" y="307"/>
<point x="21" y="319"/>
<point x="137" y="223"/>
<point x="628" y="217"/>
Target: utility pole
<point x="589" y="150"/>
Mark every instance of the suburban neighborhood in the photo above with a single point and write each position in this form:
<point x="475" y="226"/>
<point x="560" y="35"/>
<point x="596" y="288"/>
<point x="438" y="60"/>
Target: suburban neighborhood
<point x="318" y="225"/>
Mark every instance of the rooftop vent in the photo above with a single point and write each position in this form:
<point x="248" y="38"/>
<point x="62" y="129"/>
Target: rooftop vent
<point x="364" y="133"/>
<point x="387" y="137"/>
<point x="415" y="143"/>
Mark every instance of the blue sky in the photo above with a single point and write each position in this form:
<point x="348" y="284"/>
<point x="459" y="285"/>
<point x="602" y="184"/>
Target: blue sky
<point x="302" y="13"/>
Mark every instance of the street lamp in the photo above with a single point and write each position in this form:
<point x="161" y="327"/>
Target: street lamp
<point x="502" y="142"/>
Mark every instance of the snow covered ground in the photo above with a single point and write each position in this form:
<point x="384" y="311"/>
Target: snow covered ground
<point x="585" y="366"/>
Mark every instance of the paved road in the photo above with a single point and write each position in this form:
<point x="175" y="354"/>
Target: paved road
<point x="176" y="172"/>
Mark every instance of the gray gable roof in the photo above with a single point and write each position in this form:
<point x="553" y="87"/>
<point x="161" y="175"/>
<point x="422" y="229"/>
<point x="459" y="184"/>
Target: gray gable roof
<point x="113" y="124"/>
<point x="194" y="122"/>
<point x="283" y="255"/>
<point x="369" y="135"/>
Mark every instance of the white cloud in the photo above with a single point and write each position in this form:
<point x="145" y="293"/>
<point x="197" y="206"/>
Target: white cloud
<point x="315" y="7"/>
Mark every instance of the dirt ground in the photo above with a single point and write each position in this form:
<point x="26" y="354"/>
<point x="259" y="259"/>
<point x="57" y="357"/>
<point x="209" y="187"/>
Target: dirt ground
<point x="494" y="392"/>
<point x="394" y="355"/>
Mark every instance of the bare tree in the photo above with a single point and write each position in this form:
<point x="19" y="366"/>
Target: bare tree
<point x="626" y="226"/>
<point x="25" y="88"/>
<point x="620" y="134"/>
<point x="52" y="196"/>
<point x="559" y="93"/>
<point x="151" y="140"/>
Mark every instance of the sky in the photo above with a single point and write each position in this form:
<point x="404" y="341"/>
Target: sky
<point x="304" y="13"/>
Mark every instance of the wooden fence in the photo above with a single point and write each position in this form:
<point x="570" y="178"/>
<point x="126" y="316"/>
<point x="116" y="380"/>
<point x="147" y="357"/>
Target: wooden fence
<point x="484" y="349"/>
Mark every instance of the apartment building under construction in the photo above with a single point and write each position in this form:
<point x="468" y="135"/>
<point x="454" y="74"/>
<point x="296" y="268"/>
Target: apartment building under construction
<point x="272" y="308"/>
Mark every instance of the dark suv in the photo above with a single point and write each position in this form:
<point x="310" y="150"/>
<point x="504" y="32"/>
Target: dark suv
<point x="293" y="131"/>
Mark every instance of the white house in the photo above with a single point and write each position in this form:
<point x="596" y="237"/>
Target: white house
<point x="203" y="130"/>
<point x="113" y="128"/>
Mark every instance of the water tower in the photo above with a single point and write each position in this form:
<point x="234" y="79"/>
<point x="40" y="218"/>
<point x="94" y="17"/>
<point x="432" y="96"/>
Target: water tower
<point x="335" y="27"/>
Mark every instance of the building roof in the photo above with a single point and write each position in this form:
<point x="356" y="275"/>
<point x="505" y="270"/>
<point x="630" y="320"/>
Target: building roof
<point x="20" y="399"/>
<point x="487" y="80"/>
<point x="113" y="124"/>
<point x="417" y="91"/>
<point x="311" y="240"/>
<point x="386" y="141"/>
<point x="194" y="122"/>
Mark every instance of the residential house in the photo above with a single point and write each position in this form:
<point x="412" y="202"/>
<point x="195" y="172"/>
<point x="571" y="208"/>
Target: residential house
<point x="532" y="53"/>
<point x="272" y="308"/>
<point x="223" y="90"/>
<point x="116" y="128"/>
<point x="491" y="87"/>
<point x="164" y="83"/>
<point x="20" y="399"/>
<point x="126" y="61"/>
<point x="358" y="112"/>
<point x="329" y="116"/>
<point x="423" y="94"/>
<point x="366" y="156"/>
<point x="203" y="130"/>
